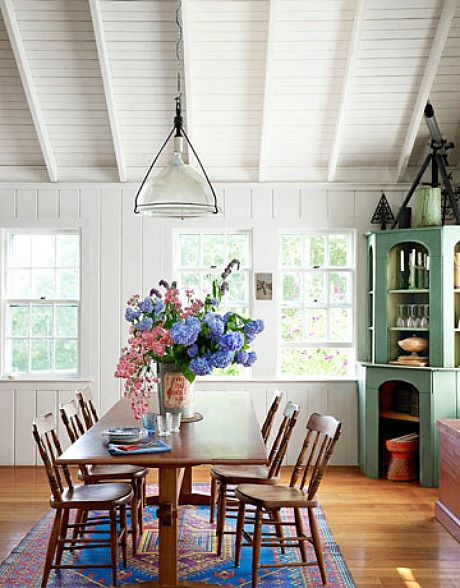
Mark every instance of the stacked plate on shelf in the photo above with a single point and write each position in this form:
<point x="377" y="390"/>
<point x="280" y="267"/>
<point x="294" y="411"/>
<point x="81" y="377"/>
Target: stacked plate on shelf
<point x="123" y="435"/>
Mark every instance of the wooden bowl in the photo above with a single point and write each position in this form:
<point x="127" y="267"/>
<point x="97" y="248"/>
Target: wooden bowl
<point x="414" y="344"/>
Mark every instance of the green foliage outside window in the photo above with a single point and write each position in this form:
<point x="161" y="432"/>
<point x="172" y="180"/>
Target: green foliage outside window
<point x="316" y="304"/>
<point x="42" y="304"/>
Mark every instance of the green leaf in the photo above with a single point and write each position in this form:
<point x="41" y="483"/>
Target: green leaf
<point x="188" y="374"/>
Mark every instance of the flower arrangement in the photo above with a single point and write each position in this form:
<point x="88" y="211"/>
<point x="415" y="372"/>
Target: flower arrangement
<point x="177" y="327"/>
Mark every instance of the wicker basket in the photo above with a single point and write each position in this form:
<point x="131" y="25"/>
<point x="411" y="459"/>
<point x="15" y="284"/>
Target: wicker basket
<point x="404" y="458"/>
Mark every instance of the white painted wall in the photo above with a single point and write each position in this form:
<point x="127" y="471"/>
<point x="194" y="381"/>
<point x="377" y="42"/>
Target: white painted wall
<point x="123" y="253"/>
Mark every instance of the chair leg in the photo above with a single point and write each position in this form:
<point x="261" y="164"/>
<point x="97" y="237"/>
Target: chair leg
<point x="275" y="515"/>
<point x="256" y="543"/>
<point x="140" y="504"/>
<point x="62" y="536"/>
<point x="239" y="532"/>
<point x="123" y="533"/>
<point x="221" y="511"/>
<point x="213" y="499"/>
<point x="114" y="544"/>
<point x="317" y="545"/>
<point x="52" y="542"/>
<point x="300" y="534"/>
<point x="135" y="515"/>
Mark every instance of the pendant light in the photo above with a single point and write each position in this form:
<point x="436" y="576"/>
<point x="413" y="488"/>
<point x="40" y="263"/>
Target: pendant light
<point x="178" y="190"/>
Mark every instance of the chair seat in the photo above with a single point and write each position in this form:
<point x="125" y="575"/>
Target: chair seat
<point x="274" y="497"/>
<point x="238" y="474"/>
<point x="104" y="496"/>
<point x="113" y="472"/>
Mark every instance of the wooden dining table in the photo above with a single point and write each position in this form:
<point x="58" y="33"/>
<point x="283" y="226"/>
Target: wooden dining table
<point x="228" y="433"/>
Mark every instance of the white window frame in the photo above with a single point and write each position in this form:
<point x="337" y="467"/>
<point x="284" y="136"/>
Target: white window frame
<point x="6" y="302"/>
<point x="352" y="345"/>
<point x="247" y="269"/>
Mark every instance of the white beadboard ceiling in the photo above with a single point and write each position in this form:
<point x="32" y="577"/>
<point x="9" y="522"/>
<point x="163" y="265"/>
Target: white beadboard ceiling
<point x="273" y="90"/>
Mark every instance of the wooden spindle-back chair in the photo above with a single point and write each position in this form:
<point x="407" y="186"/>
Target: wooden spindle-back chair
<point x="65" y="497"/>
<point x="94" y="474"/>
<point x="320" y="441"/>
<point x="229" y="476"/>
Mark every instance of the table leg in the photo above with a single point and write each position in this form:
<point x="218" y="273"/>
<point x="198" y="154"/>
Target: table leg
<point x="186" y="494"/>
<point x="170" y="481"/>
<point x="167" y="515"/>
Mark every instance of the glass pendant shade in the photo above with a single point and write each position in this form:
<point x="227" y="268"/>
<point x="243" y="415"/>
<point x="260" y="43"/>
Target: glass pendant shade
<point x="177" y="191"/>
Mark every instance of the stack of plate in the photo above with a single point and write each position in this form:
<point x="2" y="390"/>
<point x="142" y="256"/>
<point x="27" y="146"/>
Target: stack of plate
<point x="122" y="435"/>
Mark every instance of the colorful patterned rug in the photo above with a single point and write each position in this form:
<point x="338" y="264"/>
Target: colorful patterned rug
<point x="198" y="562"/>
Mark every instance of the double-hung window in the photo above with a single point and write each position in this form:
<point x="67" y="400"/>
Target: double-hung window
<point x="202" y="256"/>
<point x="317" y="309"/>
<point x="41" y="302"/>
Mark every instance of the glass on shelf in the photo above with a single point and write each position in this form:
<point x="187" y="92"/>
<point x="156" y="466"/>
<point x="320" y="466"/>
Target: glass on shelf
<point x="402" y="315"/>
<point x="424" y="316"/>
<point x="412" y="320"/>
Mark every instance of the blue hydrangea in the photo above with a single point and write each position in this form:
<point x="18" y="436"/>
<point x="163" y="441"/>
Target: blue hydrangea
<point x="216" y="325"/>
<point x="241" y="357"/>
<point x="146" y="306"/>
<point x="222" y="359"/>
<point x="200" y="367"/>
<point x="158" y="306"/>
<point x="253" y="328"/>
<point x="227" y="316"/>
<point x="231" y="341"/>
<point x="192" y="351"/>
<point x="145" y="324"/>
<point x="252" y="357"/>
<point x="186" y="332"/>
<point x="131" y="315"/>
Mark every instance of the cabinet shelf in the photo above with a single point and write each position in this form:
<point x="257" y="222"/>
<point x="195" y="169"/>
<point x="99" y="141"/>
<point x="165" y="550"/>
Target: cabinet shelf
<point x="410" y="291"/>
<point x="399" y="416"/>
<point x="406" y="329"/>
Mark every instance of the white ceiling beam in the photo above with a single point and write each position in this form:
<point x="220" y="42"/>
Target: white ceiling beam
<point x="345" y="96"/>
<point x="268" y="90"/>
<point x="14" y="34"/>
<point x="98" y="27"/>
<point x="431" y="68"/>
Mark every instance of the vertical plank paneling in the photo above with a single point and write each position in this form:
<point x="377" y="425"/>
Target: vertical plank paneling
<point x="90" y="203"/>
<point x="314" y="207"/>
<point x="7" y="199"/>
<point x="48" y="204"/>
<point x="24" y="411"/>
<point x="237" y="202"/>
<point x="27" y="204"/>
<point x="262" y="202"/>
<point x="7" y="426"/>
<point x="69" y="204"/>
<point x="110" y="291"/>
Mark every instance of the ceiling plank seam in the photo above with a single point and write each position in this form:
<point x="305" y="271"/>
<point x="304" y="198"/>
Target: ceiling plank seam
<point x="347" y="85"/>
<point x="429" y="74"/>
<point x="14" y="34"/>
<point x="98" y="27"/>
<point x="268" y="89"/>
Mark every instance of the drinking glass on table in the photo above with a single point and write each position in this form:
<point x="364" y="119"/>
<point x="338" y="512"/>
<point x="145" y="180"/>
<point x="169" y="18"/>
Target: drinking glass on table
<point x="163" y="424"/>
<point x="148" y="421"/>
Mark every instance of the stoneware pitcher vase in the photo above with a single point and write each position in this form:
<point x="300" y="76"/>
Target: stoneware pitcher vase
<point x="175" y="392"/>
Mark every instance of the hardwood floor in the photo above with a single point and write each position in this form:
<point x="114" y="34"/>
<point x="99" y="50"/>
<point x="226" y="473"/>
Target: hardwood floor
<point x="386" y="530"/>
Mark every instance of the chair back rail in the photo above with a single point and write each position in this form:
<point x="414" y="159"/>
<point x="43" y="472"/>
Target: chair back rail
<point x="281" y="442"/>
<point x="323" y="432"/>
<point x="49" y="447"/>
<point x="88" y="409"/>
<point x="270" y="417"/>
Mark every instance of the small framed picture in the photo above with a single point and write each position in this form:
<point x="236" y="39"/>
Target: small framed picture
<point x="264" y="286"/>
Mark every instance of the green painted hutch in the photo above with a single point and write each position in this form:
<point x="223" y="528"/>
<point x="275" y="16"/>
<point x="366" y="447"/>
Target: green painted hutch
<point x="411" y="293"/>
